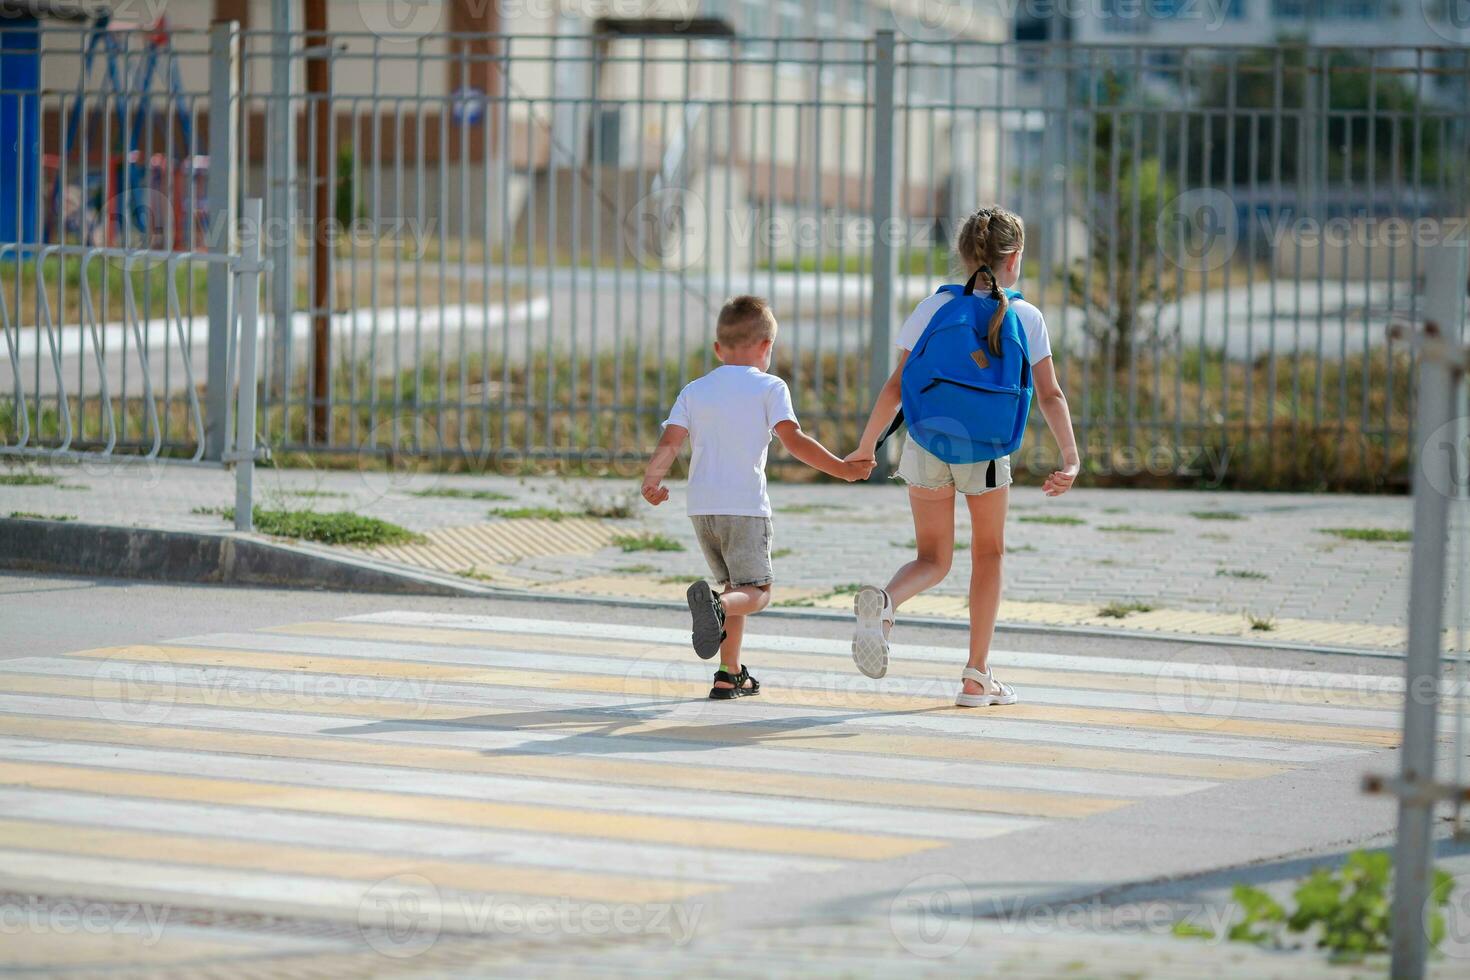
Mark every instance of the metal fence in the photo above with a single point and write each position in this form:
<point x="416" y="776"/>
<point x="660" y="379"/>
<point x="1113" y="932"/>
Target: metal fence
<point x="502" y="249"/>
<point x="129" y="274"/>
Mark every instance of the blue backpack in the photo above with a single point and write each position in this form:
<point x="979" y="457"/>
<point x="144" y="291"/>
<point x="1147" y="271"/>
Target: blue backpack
<point x="963" y="402"/>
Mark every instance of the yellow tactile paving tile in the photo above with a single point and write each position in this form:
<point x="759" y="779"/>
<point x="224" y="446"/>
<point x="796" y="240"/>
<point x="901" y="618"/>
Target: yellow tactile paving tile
<point x="651" y="650"/>
<point x="453" y="549"/>
<point x="715" y="779"/>
<point x="459" y="873"/>
<point x="835" y="739"/>
<point x="461" y="812"/>
<point x="643" y="686"/>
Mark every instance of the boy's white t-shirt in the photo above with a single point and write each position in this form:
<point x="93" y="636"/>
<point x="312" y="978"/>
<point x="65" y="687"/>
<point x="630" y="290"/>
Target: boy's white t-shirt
<point x="1038" y="345"/>
<point x="730" y="413"/>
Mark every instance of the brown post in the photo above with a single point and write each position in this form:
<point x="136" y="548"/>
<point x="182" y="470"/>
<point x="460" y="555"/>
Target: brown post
<point x="318" y="94"/>
<point x="477" y="17"/>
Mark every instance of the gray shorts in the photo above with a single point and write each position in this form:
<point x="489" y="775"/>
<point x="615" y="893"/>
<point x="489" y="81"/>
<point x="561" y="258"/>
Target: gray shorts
<point x="737" y="548"/>
<point x="920" y="468"/>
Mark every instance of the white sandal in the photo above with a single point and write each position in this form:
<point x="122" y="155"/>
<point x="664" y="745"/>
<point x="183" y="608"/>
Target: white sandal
<point x="874" y="610"/>
<point x="994" y="692"/>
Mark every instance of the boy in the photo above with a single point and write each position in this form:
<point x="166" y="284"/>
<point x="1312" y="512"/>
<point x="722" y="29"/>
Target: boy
<point x="729" y="414"/>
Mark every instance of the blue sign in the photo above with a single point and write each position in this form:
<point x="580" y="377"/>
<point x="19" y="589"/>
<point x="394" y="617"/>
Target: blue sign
<point x="467" y="106"/>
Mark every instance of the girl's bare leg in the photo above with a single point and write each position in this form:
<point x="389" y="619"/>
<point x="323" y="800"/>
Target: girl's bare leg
<point x="987" y="552"/>
<point x="934" y="536"/>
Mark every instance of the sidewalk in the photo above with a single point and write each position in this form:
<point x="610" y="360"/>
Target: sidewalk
<point x="1267" y="567"/>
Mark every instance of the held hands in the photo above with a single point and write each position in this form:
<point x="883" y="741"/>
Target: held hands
<point x="1060" y="481"/>
<point x="860" y="463"/>
<point x="655" y="492"/>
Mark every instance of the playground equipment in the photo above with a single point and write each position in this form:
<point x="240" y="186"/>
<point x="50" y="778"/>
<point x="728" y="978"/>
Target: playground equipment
<point x="121" y="194"/>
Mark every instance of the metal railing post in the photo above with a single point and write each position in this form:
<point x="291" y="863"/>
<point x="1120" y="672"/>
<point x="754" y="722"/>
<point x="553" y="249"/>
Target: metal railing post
<point x="249" y="279"/>
<point x="1446" y="272"/>
<point x="224" y="108"/>
<point x="282" y="166"/>
<point x="880" y="333"/>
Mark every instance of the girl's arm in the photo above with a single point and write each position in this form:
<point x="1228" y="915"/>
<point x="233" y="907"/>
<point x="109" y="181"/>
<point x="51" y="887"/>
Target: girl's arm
<point x="1059" y="419"/>
<point x="885" y="407"/>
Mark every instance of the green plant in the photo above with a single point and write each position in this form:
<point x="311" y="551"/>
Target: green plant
<point x="1261" y="624"/>
<point x="678" y="579"/>
<point x="1121" y="610"/>
<point x="959" y="545"/>
<point x="1013" y="548"/>
<point x="213" y="511"/>
<point x="1135" y="529"/>
<point x="1217" y="515"/>
<point x="1378" y="534"/>
<point x="533" y="513"/>
<point x="647" y="542"/>
<point x="342" y="527"/>
<point x="1245" y="573"/>
<point x="454" y="493"/>
<point x="780" y="553"/>
<point x="26" y="479"/>
<point x="1050" y="519"/>
<point x="1346" y="911"/>
<point x="474" y="573"/>
<point x="315" y="494"/>
<point x="635" y="570"/>
<point x="27" y="515"/>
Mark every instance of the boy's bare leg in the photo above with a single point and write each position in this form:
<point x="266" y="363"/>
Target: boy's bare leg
<point x="746" y="600"/>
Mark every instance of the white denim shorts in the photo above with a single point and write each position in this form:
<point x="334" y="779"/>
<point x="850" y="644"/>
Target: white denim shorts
<point x="918" y="467"/>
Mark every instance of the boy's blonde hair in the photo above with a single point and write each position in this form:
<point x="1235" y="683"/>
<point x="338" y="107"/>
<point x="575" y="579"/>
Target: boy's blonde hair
<point x="985" y="240"/>
<point x="744" y="322"/>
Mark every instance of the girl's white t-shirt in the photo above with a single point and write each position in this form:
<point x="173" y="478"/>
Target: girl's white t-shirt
<point x="1038" y="345"/>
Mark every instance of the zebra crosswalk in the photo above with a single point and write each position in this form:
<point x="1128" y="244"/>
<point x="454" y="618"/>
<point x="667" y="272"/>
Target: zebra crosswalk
<point x="335" y="768"/>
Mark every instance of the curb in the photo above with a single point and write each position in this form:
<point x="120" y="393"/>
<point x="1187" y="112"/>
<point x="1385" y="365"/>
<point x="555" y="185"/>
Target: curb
<point x="225" y="558"/>
<point x="231" y="558"/>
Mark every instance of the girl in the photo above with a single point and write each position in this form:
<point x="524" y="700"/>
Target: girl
<point x="989" y="242"/>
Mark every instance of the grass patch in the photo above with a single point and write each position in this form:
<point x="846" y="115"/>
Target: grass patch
<point x="1115" y="510"/>
<point x="26" y="515"/>
<point x="1134" y="529"/>
<point x="341" y="527"/>
<point x="1214" y="536"/>
<point x="810" y="508"/>
<point x="314" y="494"/>
<point x="678" y="579"/>
<point x="635" y="570"/>
<point x="1061" y="519"/>
<point x="213" y="511"/>
<point x="1244" y="573"/>
<point x="780" y="553"/>
<point x="647" y="542"/>
<point x="1121" y="610"/>
<point x="27" y="480"/>
<point x="1261" y="624"/>
<point x="1217" y="515"/>
<point x="455" y="493"/>
<point x="1015" y="548"/>
<point x="534" y="513"/>
<point x="1376" y="534"/>
<point x="475" y="574"/>
<point x="959" y="545"/>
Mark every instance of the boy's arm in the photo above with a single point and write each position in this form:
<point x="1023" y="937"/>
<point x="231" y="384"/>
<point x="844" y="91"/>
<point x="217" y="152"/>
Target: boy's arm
<point x="814" y="454"/>
<point x="659" y="463"/>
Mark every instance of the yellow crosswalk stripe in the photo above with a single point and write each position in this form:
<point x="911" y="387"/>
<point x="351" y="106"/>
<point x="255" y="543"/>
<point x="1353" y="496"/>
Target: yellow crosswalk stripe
<point x="644" y="686"/>
<point x="773" y="735"/>
<point x="1162" y="683"/>
<point x="715" y="778"/>
<point x="461" y="812"/>
<point x="463" y="874"/>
